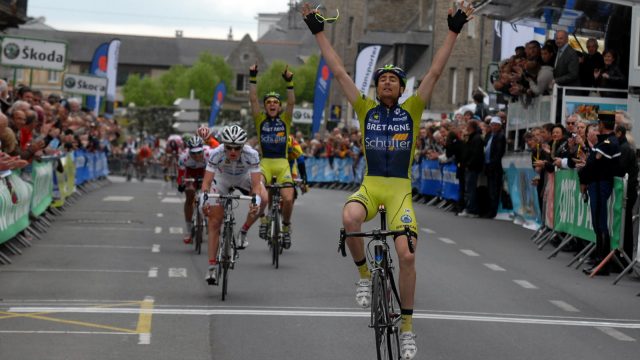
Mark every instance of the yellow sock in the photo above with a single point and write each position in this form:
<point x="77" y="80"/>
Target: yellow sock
<point x="406" y="317"/>
<point x="363" y="269"/>
<point x="264" y="220"/>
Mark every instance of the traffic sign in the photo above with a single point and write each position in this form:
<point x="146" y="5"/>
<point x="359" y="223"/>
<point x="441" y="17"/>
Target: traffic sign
<point x="33" y="53"/>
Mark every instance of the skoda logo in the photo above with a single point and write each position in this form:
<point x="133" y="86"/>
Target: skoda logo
<point x="11" y="51"/>
<point x="70" y="82"/>
<point x="297" y="114"/>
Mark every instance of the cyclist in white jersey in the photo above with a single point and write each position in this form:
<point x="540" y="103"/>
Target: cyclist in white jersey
<point x="191" y="165"/>
<point x="231" y="166"/>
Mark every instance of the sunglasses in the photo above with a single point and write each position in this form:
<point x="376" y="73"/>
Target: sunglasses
<point x="328" y="20"/>
<point x="571" y="122"/>
<point x="233" y="148"/>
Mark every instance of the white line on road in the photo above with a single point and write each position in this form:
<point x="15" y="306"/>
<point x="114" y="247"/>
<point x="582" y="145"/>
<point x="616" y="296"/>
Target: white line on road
<point x="564" y="305"/>
<point x="447" y="240"/>
<point x="177" y="272"/>
<point x="54" y="332"/>
<point x="153" y="272"/>
<point x="171" y="194"/>
<point x="469" y="252"/>
<point x="497" y="318"/>
<point x="157" y="230"/>
<point x="94" y="246"/>
<point x="160" y="215"/>
<point x="428" y="231"/>
<point x="74" y="270"/>
<point x="495" y="267"/>
<point x="525" y="284"/>
<point x="160" y="193"/>
<point x="172" y="200"/>
<point x="155" y="248"/>
<point x="615" y="334"/>
<point x="175" y="230"/>
<point x="105" y="228"/>
<point x="118" y="198"/>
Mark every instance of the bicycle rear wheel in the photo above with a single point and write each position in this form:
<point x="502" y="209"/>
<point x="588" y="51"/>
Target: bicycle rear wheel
<point x="380" y="320"/>
<point x="226" y="259"/>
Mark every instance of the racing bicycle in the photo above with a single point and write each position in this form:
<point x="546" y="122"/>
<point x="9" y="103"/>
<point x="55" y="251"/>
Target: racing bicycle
<point x="385" y="299"/>
<point x="197" y="220"/>
<point x="274" y="217"/>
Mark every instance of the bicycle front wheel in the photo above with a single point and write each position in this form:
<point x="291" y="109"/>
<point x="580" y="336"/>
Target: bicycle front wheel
<point x="226" y="256"/>
<point x="380" y="320"/>
<point x="198" y="240"/>
<point x="275" y="239"/>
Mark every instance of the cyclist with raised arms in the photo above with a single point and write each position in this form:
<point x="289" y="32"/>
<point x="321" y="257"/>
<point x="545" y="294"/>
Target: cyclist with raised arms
<point x="191" y="165"/>
<point x="389" y="133"/>
<point x="273" y="127"/>
<point x="233" y="165"/>
<point x="205" y="133"/>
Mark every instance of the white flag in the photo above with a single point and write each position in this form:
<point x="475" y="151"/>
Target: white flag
<point x="365" y="66"/>
<point x="112" y="69"/>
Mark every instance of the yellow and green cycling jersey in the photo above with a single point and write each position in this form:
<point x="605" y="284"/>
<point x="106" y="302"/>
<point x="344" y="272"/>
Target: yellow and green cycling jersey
<point x="272" y="135"/>
<point x="388" y="142"/>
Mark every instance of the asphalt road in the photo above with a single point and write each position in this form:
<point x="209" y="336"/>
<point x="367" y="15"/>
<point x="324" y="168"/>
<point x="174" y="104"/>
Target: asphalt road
<point x="111" y="279"/>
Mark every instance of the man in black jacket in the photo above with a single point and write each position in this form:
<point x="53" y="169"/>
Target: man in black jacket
<point x="495" y="146"/>
<point x="596" y="178"/>
<point x="629" y="166"/>
<point x="473" y="163"/>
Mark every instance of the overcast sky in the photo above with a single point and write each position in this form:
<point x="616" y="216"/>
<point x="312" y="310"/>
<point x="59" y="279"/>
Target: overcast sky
<point x="196" y="18"/>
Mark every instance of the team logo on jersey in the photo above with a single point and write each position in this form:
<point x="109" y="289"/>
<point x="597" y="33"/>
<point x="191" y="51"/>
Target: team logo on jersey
<point x="406" y="219"/>
<point x="397" y="111"/>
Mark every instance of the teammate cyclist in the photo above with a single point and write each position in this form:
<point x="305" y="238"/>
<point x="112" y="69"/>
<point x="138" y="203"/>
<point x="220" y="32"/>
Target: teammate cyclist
<point x="273" y="127"/>
<point x="191" y="165"/>
<point x="389" y="133"/>
<point x="205" y="133"/>
<point x="233" y="165"/>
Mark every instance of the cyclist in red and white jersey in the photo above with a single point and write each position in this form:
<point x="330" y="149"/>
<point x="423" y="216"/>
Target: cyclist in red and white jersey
<point x="234" y="165"/>
<point x="191" y="165"/>
<point x="205" y="133"/>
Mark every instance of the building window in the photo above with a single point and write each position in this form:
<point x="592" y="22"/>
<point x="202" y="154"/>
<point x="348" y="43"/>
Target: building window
<point x="471" y="29"/>
<point x="453" y="77"/>
<point x="19" y="74"/>
<point x="469" y="76"/>
<point x="242" y="82"/>
<point x="54" y="76"/>
<point x="350" y="33"/>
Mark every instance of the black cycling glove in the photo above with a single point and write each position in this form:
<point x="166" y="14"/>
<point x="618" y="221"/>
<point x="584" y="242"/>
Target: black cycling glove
<point x="181" y="188"/>
<point x="457" y="21"/>
<point x="287" y="79"/>
<point x="254" y="72"/>
<point x="314" y="25"/>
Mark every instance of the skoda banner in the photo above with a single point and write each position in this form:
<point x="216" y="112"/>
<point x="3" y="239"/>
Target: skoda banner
<point x="84" y="84"/>
<point x="33" y="53"/>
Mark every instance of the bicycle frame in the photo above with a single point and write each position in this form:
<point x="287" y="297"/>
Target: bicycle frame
<point x="274" y="237"/>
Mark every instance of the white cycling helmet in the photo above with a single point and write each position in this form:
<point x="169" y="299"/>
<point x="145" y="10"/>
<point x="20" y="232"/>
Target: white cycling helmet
<point x="233" y="135"/>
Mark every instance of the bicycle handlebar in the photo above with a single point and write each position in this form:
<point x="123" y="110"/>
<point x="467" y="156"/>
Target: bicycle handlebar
<point x="192" y="179"/>
<point x="229" y="196"/>
<point x="280" y="186"/>
<point x="375" y="234"/>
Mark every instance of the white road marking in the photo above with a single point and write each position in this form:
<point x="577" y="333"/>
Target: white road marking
<point x="160" y="215"/>
<point x="160" y="193"/>
<point x="495" y="267"/>
<point x="106" y="228"/>
<point x="155" y="248"/>
<point x="428" y="231"/>
<point x="118" y="198"/>
<point x="525" y="284"/>
<point x="94" y="246"/>
<point x="469" y="252"/>
<point x="564" y="305"/>
<point x="496" y="318"/>
<point x="615" y="334"/>
<point x="172" y="200"/>
<point x="171" y="194"/>
<point x="144" y="339"/>
<point x="54" y="332"/>
<point x="74" y="270"/>
<point x="447" y="240"/>
<point x="157" y="230"/>
<point x="177" y="272"/>
<point x="153" y="272"/>
<point x="175" y="230"/>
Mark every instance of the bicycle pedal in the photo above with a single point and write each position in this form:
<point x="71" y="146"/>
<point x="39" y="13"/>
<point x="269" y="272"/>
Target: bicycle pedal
<point x="212" y="281"/>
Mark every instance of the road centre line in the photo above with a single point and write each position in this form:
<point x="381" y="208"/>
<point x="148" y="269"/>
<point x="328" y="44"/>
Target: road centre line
<point x="74" y="270"/>
<point x="525" y="284"/>
<point x="54" y="332"/>
<point x="105" y="228"/>
<point x="428" y="231"/>
<point x="469" y="252"/>
<point x="447" y="240"/>
<point x="157" y="230"/>
<point x="564" y="305"/>
<point x="495" y="267"/>
<point x="526" y="320"/>
<point x="155" y="248"/>
<point x="153" y="272"/>
<point x="615" y="334"/>
<point x="160" y="215"/>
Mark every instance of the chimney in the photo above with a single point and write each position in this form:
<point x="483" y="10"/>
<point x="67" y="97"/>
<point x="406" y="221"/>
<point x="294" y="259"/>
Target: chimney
<point x="178" y="33"/>
<point x="230" y="36"/>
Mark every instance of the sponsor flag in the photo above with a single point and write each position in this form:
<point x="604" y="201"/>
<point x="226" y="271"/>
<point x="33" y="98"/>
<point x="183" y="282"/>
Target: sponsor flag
<point x="321" y="92"/>
<point x="216" y="104"/>
<point x="112" y="75"/>
<point x="365" y="66"/>
<point x="98" y="67"/>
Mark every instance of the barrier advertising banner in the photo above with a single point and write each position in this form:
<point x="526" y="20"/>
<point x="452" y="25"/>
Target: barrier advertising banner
<point x="15" y="199"/>
<point x="573" y="215"/>
<point x="524" y="195"/>
<point x="42" y="178"/>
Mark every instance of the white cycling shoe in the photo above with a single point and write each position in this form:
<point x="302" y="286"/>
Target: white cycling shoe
<point x="408" y="348"/>
<point x="363" y="293"/>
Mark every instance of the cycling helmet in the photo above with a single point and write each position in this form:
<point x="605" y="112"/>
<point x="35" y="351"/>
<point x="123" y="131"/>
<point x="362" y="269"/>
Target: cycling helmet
<point x="195" y="144"/>
<point x="390" y="69"/>
<point x="233" y="135"/>
<point x="272" y="94"/>
<point x="204" y="132"/>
